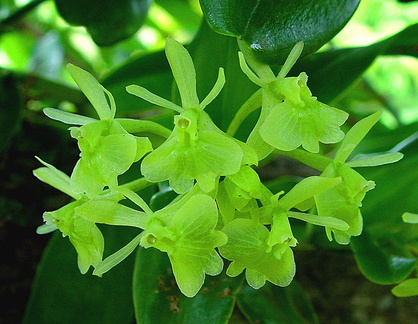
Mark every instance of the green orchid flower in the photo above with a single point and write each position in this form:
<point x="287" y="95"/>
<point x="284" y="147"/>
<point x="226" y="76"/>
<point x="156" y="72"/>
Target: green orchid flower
<point x="185" y="230"/>
<point x="267" y="255"/>
<point x="238" y="194"/>
<point x="290" y="116"/>
<point x="83" y="234"/>
<point x="107" y="149"/>
<point x="189" y="239"/>
<point x="344" y="200"/>
<point x="197" y="150"/>
<point x="247" y="248"/>
<point x="78" y="219"/>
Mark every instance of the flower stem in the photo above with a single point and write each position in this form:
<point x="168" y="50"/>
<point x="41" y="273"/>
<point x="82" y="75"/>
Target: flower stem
<point x="313" y="160"/>
<point x="143" y="126"/>
<point x="247" y="108"/>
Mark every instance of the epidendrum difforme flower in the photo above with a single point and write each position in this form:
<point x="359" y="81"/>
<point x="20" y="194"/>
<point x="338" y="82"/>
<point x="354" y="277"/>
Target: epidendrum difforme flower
<point x="344" y="200"/>
<point x="107" y="149"/>
<point x="83" y="234"/>
<point x="197" y="149"/>
<point x="185" y="230"/>
<point x="290" y="116"/>
<point x="267" y="255"/>
<point x="189" y="238"/>
<point x="78" y="219"/>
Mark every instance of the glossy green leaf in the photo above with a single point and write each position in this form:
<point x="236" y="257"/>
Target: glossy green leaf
<point x="276" y="305"/>
<point x="331" y="72"/>
<point x="107" y="21"/>
<point x="157" y="298"/>
<point x="272" y="28"/>
<point x="396" y="191"/>
<point x="382" y="252"/>
<point x="378" y="263"/>
<point x="60" y="293"/>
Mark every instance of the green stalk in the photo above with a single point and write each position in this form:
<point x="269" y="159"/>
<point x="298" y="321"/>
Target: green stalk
<point x="313" y="160"/>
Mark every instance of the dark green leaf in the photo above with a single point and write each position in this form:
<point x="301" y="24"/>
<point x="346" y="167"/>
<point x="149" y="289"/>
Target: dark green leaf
<point x="61" y="294"/>
<point x="107" y="21"/>
<point x="331" y="72"/>
<point x="162" y="198"/>
<point x="377" y="263"/>
<point x="396" y="189"/>
<point x="272" y="28"/>
<point x="10" y="106"/>
<point x="276" y="305"/>
<point x="382" y="251"/>
<point x="157" y="298"/>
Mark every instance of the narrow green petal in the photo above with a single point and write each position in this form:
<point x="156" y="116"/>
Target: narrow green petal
<point x="215" y="90"/>
<point x="291" y="60"/>
<point x="135" y="198"/>
<point x="117" y="257"/>
<point x="355" y="135"/>
<point x="45" y="229"/>
<point x="143" y="126"/>
<point x="112" y="102"/>
<point x="55" y="178"/>
<point x="306" y="189"/>
<point x="66" y="117"/>
<point x="331" y="222"/>
<point x="248" y="72"/>
<point x="182" y="66"/>
<point x="143" y="93"/>
<point x="92" y="90"/>
<point x="375" y="160"/>
<point x="410" y="218"/>
<point x="111" y="213"/>
<point x="264" y="72"/>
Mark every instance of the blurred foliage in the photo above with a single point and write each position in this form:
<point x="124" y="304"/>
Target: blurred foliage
<point x="36" y="43"/>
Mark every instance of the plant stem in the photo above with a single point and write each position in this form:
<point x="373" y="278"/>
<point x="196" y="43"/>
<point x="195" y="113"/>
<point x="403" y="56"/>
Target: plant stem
<point x="247" y="108"/>
<point x="315" y="161"/>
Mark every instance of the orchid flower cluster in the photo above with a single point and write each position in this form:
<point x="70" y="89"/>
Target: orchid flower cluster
<point x="222" y="210"/>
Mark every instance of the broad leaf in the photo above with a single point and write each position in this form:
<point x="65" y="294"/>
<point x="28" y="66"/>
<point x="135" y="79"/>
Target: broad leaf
<point x="61" y="293"/>
<point x="157" y="298"/>
<point x="276" y="305"/>
<point x="272" y="28"/>
<point x="378" y="263"/>
<point x="107" y="21"/>
<point x="331" y="72"/>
